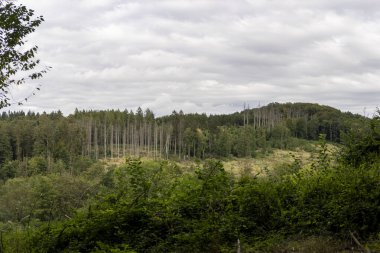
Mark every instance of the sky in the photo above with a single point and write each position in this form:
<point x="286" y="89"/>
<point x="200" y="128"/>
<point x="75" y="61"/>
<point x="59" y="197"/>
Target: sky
<point x="207" y="56"/>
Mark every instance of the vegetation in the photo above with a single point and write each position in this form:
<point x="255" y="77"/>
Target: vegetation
<point x="57" y="197"/>
<point x="16" y="64"/>
<point x="64" y="189"/>
<point x="115" y="134"/>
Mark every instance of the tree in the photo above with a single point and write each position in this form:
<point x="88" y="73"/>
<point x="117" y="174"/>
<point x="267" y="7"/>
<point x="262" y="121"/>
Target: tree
<point x="16" y="22"/>
<point x="5" y="146"/>
<point x="362" y="146"/>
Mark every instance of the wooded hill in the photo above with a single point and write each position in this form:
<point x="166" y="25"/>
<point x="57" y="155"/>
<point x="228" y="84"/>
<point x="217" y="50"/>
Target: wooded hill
<point x="52" y="200"/>
<point x="114" y="133"/>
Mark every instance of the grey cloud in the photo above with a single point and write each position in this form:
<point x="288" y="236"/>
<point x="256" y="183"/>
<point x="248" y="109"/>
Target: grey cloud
<point x="206" y="55"/>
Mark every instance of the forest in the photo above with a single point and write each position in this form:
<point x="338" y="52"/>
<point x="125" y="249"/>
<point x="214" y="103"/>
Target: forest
<point x="124" y="181"/>
<point x="114" y="134"/>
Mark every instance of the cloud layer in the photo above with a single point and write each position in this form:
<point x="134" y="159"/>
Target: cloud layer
<point x="206" y="55"/>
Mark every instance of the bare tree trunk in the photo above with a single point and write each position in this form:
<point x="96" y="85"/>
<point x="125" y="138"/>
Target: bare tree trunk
<point x="161" y="140"/>
<point x="105" y="141"/>
<point x="124" y="139"/>
<point x="96" y="143"/>
<point x="89" y="139"/>
<point x="132" y="140"/>
<point x="137" y="151"/>
<point x="155" y="140"/>
<point x="175" y="145"/>
<point x="167" y="143"/>
<point x="149" y="135"/>
<point x="112" y="142"/>
<point x="128" y="138"/>
<point x="117" y="133"/>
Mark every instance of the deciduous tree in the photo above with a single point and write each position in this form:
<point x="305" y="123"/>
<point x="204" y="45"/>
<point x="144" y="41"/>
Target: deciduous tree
<point x="17" y="64"/>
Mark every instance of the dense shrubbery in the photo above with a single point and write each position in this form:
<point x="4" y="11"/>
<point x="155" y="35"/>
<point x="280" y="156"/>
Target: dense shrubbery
<point x="156" y="208"/>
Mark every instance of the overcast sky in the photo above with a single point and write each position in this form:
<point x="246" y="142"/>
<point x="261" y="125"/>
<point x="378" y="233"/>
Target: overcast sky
<point x="206" y="55"/>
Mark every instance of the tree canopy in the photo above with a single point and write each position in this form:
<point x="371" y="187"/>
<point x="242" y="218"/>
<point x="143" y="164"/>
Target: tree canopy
<point x="17" y="64"/>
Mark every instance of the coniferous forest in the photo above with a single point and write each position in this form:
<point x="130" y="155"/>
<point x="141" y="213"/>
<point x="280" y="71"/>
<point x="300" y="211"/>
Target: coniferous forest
<point x="115" y="134"/>
<point x="124" y="181"/>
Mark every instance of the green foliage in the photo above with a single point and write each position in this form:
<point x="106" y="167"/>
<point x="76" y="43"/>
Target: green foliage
<point x="104" y="248"/>
<point x="204" y="206"/>
<point x="71" y="204"/>
<point x="8" y="170"/>
<point x="14" y="238"/>
<point x="363" y="145"/>
<point x="37" y="165"/>
<point x="5" y="146"/>
<point x="280" y="137"/>
<point x="43" y="198"/>
<point x="154" y="207"/>
<point x="323" y="159"/>
<point x="110" y="134"/>
<point x="223" y="142"/>
<point x="16" y="22"/>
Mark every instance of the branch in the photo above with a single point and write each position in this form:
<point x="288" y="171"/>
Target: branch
<point x="358" y="243"/>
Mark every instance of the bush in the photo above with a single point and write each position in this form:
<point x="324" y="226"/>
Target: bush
<point x="153" y="206"/>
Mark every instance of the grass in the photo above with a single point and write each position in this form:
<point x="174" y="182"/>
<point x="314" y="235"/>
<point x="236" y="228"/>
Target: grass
<point x="259" y="165"/>
<point x="311" y="244"/>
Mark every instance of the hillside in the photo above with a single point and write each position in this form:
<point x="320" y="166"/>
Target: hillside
<point x="115" y="134"/>
<point x="113" y="181"/>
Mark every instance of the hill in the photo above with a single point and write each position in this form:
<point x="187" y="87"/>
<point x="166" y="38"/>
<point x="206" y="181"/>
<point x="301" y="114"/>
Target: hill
<point x="115" y="134"/>
<point x="60" y="192"/>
